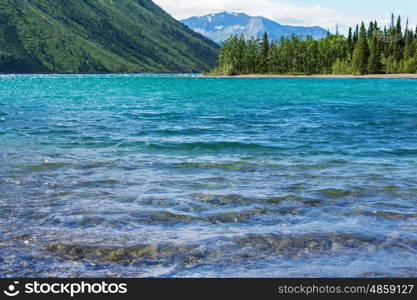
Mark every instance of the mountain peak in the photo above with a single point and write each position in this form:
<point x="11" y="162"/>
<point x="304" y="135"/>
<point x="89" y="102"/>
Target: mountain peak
<point x="220" y="26"/>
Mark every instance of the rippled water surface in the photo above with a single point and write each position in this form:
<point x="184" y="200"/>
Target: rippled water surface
<point x="200" y="177"/>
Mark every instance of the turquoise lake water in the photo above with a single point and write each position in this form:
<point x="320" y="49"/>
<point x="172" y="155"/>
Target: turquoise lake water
<point x="181" y="176"/>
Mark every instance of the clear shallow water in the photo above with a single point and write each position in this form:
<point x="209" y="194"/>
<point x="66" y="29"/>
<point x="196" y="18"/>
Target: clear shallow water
<point x="182" y="177"/>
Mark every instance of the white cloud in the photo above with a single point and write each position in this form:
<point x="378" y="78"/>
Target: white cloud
<point x="284" y="13"/>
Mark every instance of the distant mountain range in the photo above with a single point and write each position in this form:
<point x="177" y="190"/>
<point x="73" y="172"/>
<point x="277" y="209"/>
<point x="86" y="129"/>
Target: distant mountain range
<point x="98" y="36"/>
<point x="221" y="26"/>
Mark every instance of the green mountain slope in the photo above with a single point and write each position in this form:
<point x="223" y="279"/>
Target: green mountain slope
<point x="97" y="36"/>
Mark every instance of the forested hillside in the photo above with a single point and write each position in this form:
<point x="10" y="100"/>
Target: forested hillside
<point x="365" y="50"/>
<point x="97" y="36"/>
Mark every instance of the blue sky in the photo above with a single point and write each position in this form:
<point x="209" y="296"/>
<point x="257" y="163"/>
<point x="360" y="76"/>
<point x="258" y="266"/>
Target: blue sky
<point x="407" y="8"/>
<point x="357" y="6"/>
<point x="325" y="13"/>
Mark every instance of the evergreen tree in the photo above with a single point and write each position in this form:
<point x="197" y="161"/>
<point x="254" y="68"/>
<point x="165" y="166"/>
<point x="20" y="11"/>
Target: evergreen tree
<point x="370" y="30"/>
<point x="408" y="43"/>
<point x="356" y="35"/>
<point x="312" y="52"/>
<point x="398" y="45"/>
<point x="251" y="55"/>
<point x="350" y="44"/>
<point x="273" y="61"/>
<point x="374" y="61"/>
<point x="398" y="28"/>
<point x="361" y="52"/>
<point x="263" y="55"/>
<point x="240" y="54"/>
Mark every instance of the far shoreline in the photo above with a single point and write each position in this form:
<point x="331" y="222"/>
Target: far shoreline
<point x="370" y="76"/>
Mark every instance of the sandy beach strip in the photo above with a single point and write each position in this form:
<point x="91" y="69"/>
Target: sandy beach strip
<point x="374" y="76"/>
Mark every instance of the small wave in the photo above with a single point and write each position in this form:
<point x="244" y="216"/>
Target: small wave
<point x="181" y="132"/>
<point x="234" y="216"/>
<point x="47" y="166"/>
<point x="390" y="215"/>
<point x="231" y="166"/>
<point x="152" y="116"/>
<point x="391" y="188"/>
<point x="320" y="166"/>
<point x="209" y="146"/>
<point x="336" y="193"/>
<point x="52" y="133"/>
<point x="161" y="217"/>
<point x="402" y="152"/>
<point x="85" y="144"/>
<point x="224" y="217"/>
<point x="235" y="199"/>
<point x="94" y="221"/>
<point x="391" y="205"/>
<point x="97" y="183"/>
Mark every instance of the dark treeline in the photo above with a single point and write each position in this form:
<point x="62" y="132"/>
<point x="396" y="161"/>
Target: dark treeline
<point x="365" y="50"/>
